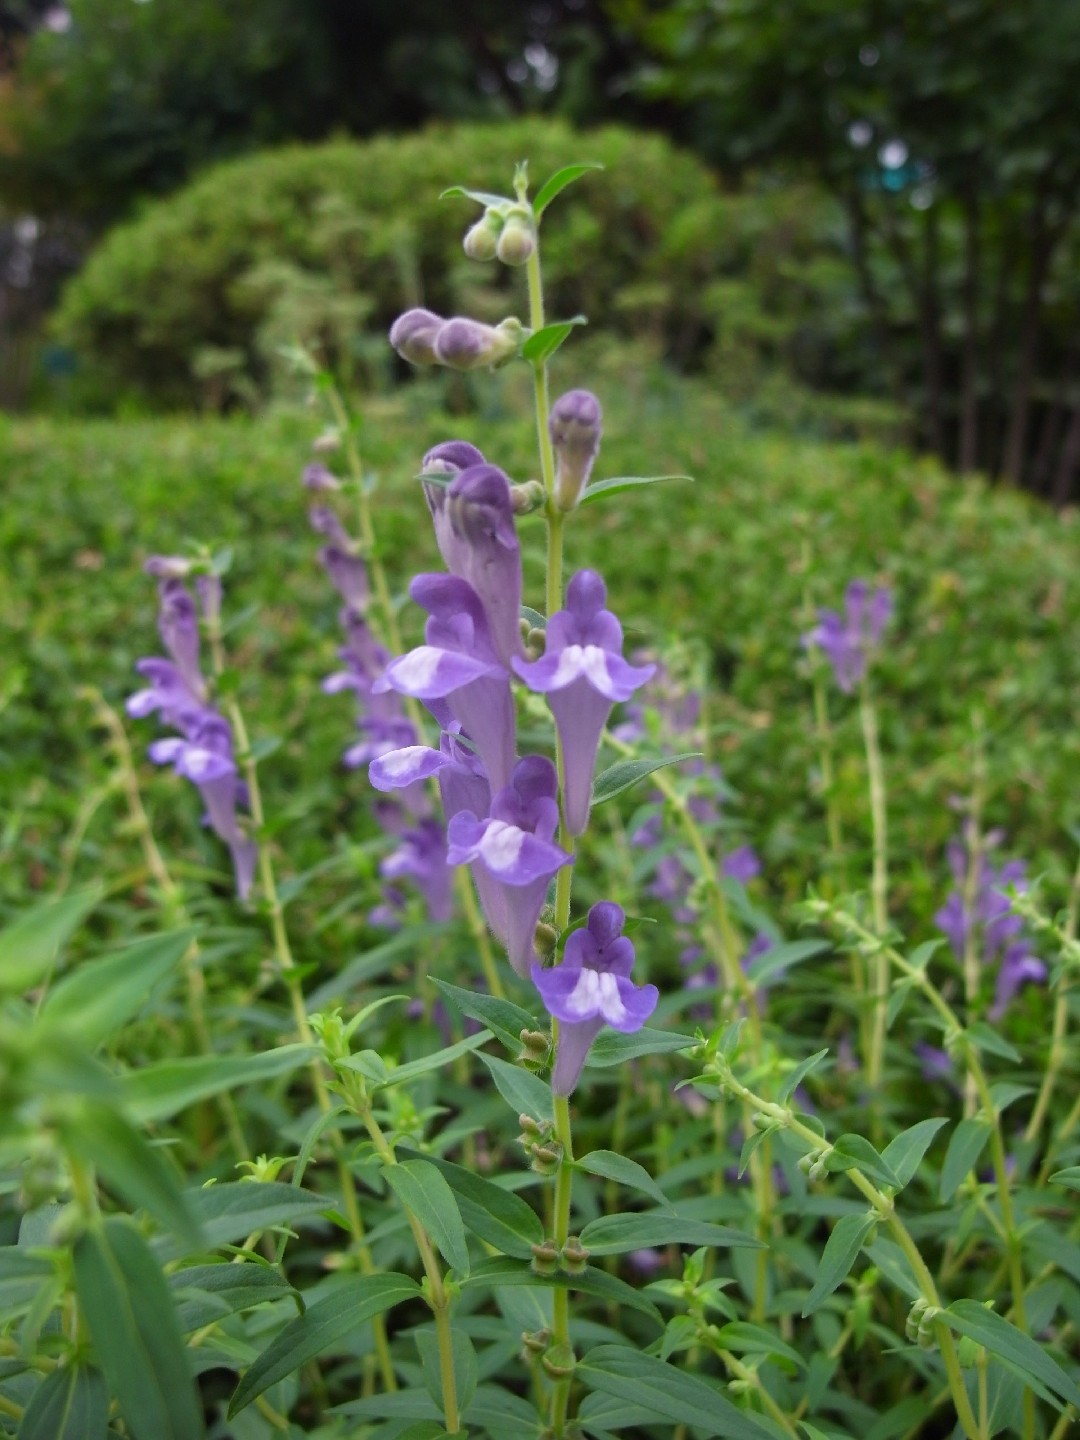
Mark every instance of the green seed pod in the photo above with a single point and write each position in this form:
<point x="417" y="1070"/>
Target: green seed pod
<point x="545" y="1159"/>
<point x="545" y="1258"/>
<point x="559" y="1362"/>
<point x="574" y="1255"/>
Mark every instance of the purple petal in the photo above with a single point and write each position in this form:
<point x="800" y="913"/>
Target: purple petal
<point x="397" y="768"/>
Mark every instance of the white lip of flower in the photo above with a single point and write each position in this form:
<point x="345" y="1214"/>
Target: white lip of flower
<point x="399" y="762"/>
<point x="417" y="669"/>
<point x="501" y="845"/>
<point x="596" y="993"/>
<point x="577" y="660"/>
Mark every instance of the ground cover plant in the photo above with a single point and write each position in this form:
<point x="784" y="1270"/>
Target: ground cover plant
<point x="755" y="1119"/>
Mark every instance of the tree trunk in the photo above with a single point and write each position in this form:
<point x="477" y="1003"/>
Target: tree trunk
<point x="968" y="455"/>
<point x="1043" y="243"/>
<point x="923" y="289"/>
<point x="1068" y="460"/>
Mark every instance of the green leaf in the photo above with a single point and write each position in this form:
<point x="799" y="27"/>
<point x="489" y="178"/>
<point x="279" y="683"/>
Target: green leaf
<point x="667" y="1391"/>
<point x="965" y="1146"/>
<point x="105" y="1139"/>
<point x="625" y="482"/>
<point x="497" y="1216"/>
<point x="370" y="963"/>
<point x="234" y="1288"/>
<point x="424" y="1191"/>
<point x="482" y="197"/>
<point x="558" y="182"/>
<point x="610" y="1166"/>
<point x="30" y="945"/>
<point x="795" y="1077"/>
<point x="624" y="773"/>
<point x="503" y="1271"/>
<point x="782" y="957"/>
<point x="413" y="1069"/>
<point x="126" y="1304"/>
<point x="70" y="1404"/>
<point x="612" y="1047"/>
<point x="543" y="343"/>
<point x="235" y="1209"/>
<point x="990" y="1041"/>
<point x="615" y="1234"/>
<point x="839" y="1255"/>
<point x="157" y="1092"/>
<point x="1069" y="1177"/>
<point x="523" y="1091"/>
<point x="904" y="1154"/>
<point x="749" y="1145"/>
<point x="501" y="1017"/>
<point x="466" y="1371"/>
<point x="747" y="1339"/>
<point x="1005" y="1093"/>
<point x="1010" y="1345"/>
<point x="852" y="1152"/>
<point x="96" y="999"/>
<point x="321" y="1326"/>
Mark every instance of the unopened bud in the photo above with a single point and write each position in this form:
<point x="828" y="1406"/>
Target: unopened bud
<point x="528" y="497"/>
<point x="516" y="242"/>
<point x="480" y="241"/>
<point x="545" y="1258"/>
<point x="535" y="1048"/>
<point x="914" y="1319"/>
<point x="413" y="335"/>
<point x="465" y="344"/>
<point x="574" y="1256"/>
<point x="545" y="938"/>
<point x="575" y="427"/>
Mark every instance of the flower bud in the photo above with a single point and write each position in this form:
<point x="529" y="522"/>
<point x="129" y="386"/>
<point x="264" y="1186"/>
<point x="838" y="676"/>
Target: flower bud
<point x="575" y="427"/>
<point x="516" y="242"/>
<point x="480" y="242"/>
<point x="545" y="938"/>
<point x="527" y="498"/>
<point x="451" y="457"/>
<point x="465" y="344"/>
<point x="413" y="335"/>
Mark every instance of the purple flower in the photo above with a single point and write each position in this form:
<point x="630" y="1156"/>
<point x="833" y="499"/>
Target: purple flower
<point x="421" y="858"/>
<point x="590" y="988"/>
<point x="459" y="664"/>
<point x="413" y="335"/>
<point x="848" y="640"/>
<point x="575" y="427"/>
<point x="742" y="865"/>
<point x="482" y="547"/>
<point x="203" y="751"/>
<point x="583" y="673"/>
<point x="515" y="848"/>
<point x="986" y="913"/>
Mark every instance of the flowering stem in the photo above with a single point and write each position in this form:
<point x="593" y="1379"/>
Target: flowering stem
<point x="437" y="1296"/>
<point x="290" y="975"/>
<point x="1061" y="1019"/>
<point x="367" y="528"/>
<point x="560" y="1327"/>
<point x="173" y="902"/>
<point x="884" y="1206"/>
<point x="879" y="888"/>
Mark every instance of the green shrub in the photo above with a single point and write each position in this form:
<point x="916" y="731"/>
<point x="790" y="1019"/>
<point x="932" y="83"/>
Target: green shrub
<point x="192" y="301"/>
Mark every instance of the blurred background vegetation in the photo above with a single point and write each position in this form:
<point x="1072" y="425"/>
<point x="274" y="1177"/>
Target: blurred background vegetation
<point x="857" y="219"/>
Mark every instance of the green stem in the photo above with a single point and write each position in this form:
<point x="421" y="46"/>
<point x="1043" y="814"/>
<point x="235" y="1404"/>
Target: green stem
<point x="885" y="1207"/>
<point x="1058" y="1049"/>
<point x="437" y="1296"/>
<point x="879" y="888"/>
<point x="291" y="977"/>
<point x="560" y="1326"/>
